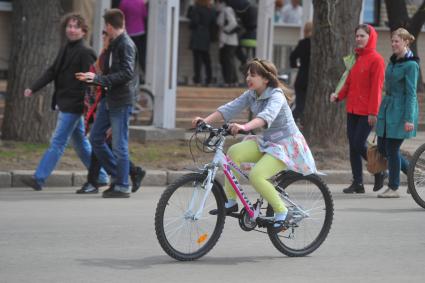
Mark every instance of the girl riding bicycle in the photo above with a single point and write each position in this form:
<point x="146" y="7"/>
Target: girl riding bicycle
<point x="280" y="146"/>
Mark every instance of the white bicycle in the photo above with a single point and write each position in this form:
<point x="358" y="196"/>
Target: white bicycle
<point x="187" y="229"/>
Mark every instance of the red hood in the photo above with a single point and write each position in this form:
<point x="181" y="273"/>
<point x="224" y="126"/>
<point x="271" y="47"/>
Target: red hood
<point x="371" y="43"/>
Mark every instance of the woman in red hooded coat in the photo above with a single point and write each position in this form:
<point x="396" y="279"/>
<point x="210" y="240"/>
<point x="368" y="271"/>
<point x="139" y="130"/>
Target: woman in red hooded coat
<point x="362" y="91"/>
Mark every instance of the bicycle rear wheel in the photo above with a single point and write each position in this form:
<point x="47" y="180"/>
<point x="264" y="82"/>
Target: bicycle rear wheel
<point x="143" y="107"/>
<point x="416" y="176"/>
<point x="305" y="232"/>
<point x="181" y="233"/>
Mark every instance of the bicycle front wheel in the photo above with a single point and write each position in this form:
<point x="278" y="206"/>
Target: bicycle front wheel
<point x="310" y="214"/>
<point x="182" y="232"/>
<point x="416" y="176"/>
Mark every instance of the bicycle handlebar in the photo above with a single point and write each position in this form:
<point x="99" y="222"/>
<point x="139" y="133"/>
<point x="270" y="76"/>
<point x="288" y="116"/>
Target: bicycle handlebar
<point x="224" y="130"/>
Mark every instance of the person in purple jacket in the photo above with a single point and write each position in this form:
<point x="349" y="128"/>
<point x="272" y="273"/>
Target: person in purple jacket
<point x="135" y="12"/>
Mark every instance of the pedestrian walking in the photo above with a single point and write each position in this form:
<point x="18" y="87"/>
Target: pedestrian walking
<point x="398" y="114"/>
<point x="137" y="174"/>
<point x="68" y="98"/>
<point x="361" y="87"/>
<point x="120" y="81"/>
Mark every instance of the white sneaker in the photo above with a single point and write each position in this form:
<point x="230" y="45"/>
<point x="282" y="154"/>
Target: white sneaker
<point x="389" y="193"/>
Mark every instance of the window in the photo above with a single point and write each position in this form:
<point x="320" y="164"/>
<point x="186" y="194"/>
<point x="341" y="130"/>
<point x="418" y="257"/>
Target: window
<point x="371" y="12"/>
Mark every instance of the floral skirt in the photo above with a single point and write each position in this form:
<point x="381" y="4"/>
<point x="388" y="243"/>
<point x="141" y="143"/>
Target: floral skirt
<point x="293" y="151"/>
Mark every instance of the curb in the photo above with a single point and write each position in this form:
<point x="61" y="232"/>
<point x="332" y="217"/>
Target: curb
<point x="156" y="178"/>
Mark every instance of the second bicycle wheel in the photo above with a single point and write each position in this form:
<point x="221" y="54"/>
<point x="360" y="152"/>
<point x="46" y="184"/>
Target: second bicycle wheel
<point x="143" y="108"/>
<point x="311" y="218"/>
<point x="416" y="176"/>
<point x="181" y="232"/>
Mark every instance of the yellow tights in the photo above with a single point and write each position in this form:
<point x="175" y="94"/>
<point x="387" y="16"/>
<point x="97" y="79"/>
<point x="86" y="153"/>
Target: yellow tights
<point x="266" y="166"/>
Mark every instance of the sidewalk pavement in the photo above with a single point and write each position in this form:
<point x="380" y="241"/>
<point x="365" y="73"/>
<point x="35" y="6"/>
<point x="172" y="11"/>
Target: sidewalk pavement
<point x="162" y="178"/>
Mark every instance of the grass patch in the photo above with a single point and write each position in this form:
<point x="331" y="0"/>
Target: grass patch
<point x="163" y="155"/>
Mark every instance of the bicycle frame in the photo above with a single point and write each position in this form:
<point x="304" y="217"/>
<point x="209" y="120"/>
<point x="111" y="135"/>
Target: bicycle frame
<point x="223" y="161"/>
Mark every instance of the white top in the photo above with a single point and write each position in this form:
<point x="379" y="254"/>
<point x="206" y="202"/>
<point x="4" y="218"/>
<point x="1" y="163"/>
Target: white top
<point x="226" y="20"/>
<point x="292" y="15"/>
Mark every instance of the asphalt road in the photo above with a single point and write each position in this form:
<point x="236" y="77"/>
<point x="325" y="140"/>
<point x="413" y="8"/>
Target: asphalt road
<point x="58" y="236"/>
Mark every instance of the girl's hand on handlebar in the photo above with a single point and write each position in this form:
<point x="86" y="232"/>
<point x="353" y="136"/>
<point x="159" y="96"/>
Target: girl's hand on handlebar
<point x="196" y="120"/>
<point x="235" y="128"/>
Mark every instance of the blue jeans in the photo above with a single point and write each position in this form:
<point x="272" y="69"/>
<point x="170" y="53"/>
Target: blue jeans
<point x="390" y="148"/>
<point x="115" y="161"/>
<point x="358" y="129"/>
<point x="68" y="126"/>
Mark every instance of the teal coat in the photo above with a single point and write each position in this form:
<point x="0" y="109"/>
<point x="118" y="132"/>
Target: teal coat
<point x="400" y="104"/>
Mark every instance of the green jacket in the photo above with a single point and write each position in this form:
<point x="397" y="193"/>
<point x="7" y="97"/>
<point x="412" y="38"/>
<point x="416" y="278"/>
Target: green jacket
<point x="400" y="104"/>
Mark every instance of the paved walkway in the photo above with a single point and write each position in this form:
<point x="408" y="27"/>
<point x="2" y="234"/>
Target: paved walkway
<point x="58" y="236"/>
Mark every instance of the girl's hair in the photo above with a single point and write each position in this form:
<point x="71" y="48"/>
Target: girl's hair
<point x="364" y="27"/>
<point x="267" y="70"/>
<point x="404" y="34"/>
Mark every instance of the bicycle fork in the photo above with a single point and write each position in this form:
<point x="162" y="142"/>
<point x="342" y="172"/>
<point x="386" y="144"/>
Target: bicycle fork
<point x="201" y="192"/>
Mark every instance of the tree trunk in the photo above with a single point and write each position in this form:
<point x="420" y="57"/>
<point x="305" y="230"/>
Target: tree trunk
<point x="35" y="44"/>
<point x="398" y="17"/>
<point x="333" y="38"/>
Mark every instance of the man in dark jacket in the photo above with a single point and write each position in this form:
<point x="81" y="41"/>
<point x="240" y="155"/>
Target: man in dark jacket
<point x="301" y="53"/>
<point x="68" y="98"/>
<point x="119" y="81"/>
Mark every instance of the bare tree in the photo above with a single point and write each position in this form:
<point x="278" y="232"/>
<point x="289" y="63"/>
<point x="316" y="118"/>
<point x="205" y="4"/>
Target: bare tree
<point x="35" y="43"/>
<point x="333" y="38"/>
<point x="398" y="17"/>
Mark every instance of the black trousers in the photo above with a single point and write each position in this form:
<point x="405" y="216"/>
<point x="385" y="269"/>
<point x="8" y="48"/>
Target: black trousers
<point x="358" y="129"/>
<point x="244" y="54"/>
<point x="93" y="174"/>
<point x="140" y="42"/>
<point x="227" y="62"/>
<point x="299" y="103"/>
<point x="201" y="58"/>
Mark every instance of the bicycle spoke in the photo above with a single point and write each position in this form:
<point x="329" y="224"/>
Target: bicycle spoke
<point x="302" y="236"/>
<point x="185" y="231"/>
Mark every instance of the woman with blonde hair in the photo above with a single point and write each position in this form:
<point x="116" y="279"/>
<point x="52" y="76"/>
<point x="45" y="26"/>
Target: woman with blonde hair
<point x="398" y="114"/>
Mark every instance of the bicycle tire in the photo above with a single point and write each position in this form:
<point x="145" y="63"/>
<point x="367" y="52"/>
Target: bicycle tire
<point x="164" y="201"/>
<point x="275" y="237"/>
<point x="414" y="173"/>
<point x="144" y="107"/>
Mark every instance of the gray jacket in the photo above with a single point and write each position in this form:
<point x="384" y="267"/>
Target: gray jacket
<point x="271" y="106"/>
